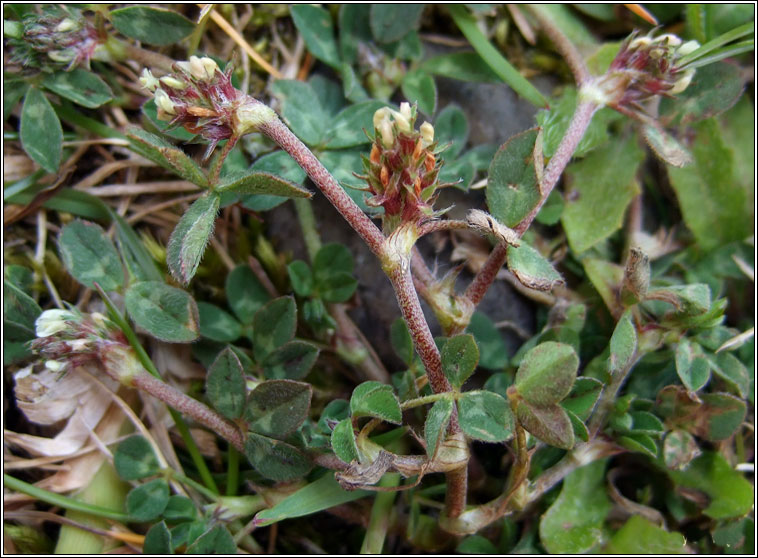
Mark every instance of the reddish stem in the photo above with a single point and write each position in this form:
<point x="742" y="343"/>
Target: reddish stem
<point x="354" y="215"/>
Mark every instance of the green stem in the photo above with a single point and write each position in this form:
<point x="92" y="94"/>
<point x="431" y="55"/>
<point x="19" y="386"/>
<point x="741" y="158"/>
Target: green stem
<point x="411" y="403"/>
<point x="232" y="471"/>
<point x="608" y="397"/>
<point x="147" y="363"/>
<point x="308" y="227"/>
<point x="380" y="518"/>
<point x="72" y="116"/>
<point x="62" y="501"/>
<point x="171" y="474"/>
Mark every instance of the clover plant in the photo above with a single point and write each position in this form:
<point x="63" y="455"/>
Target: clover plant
<point x="620" y="422"/>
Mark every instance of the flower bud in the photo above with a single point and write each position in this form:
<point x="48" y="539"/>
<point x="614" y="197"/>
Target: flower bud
<point x="173" y="82"/>
<point x="405" y="110"/>
<point x="669" y="40"/>
<point x="379" y="116"/>
<point x="683" y="82"/>
<point x="640" y="42"/>
<point x="54" y="365"/>
<point x="148" y="80"/>
<point x="202" y="69"/>
<point x="427" y="134"/>
<point x="163" y="102"/>
<point x="385" y="129"/>
<point x="63" y="56"/>
<point x="65" y="25"/>
<point x="51" y="322"/>
<point x="210" y="66"/>
<point x="688" y="47"/>
<point x="403" y="123"/>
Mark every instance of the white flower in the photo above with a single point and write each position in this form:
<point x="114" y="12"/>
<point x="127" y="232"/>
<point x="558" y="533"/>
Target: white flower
<point x="686" y="48"/>
<point x="51" y="322"/>
<point x="148" y="80"/>
<point x="173" y="82"/>
<point x="163" y="102"/>
<point x="427" y="134"/>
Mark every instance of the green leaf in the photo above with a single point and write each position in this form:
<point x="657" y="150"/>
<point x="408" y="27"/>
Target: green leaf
<point x="276" y="408"/>
<point x="291" y="361"/>
<point x="401" y="341"/>
<point x="555" y="122"/>
<point x="485" y="416"/>
<point x="20" y="312"/>
<point x="89" y="255"/>
<point x="374" y="399"/>
<point x="153" y="26"/>
<point x="147" y="501"/>
<point x="273" y="325"/>
<point x="180" y="508"/>
<point x="261" y="183"/>
<point x="468" y="25"/>
<point x="738" y="131"/>
<point x="13" y="91"/>
<point x="731" y="495"/>
<point x="582" y="397"/>
<point x="547" y="373"/>
<point x="190" y="237"/>
<point x="166" y="155"/>
<point x="40" y="131"/>
<point x="550" y="424"/>
<point x="716" y="417"/>
<point x="476" y="544"/>
<point x="668" y="149"/>
<point x="274" y="459"/>
<point x="354" y="29"/>
<point x="692" y="299"/>
<point x="314" y="497"/>
<point x="301" y="108"/>
<point x="641" y="443"/>
<point x="134" y="459"/>
<point x="157" y="540"/>
<point x="300" y="277"/>
<point x="679" y="449"/>
<point x="623" y="344"/>
<point x="640" y="536"/>
<point x="580" y="430"/>
<point x="419" y="87"/>
<point x="138" y="260"/>
<point x="714" y="89"/>
<point x="80" y="86"/>
<point x="464" y="66"/>
<point x="513" y="188"/>
<point x="225" y="385"/>
<point x="347" y="128"/>
<point x="460" y="356"/>
<point x="692" y="367"/>
<point x="330" y="260"/>
<point x="165" y="312"/>
<point x="574" y="522"/>
<point x="338" y="288"/>
<point x="451" y="126"/>
<point x="729" y="368"/>
<point x="217" y="324"/>
<point x="391" y="22"/>
<point x="217" y="540"/>
<point x="316" y="28"/>
<point x="343" y="441"/>
<point x="342" y="164"/>
<point x="531" y="269"/>
<point x="598" y="190"/>
<point x="436" y="425"/>
<point x="493" y="354"/>
<point x="714" y="209"/>
<point x="646" y="423"/>
<point x="245" y="293"/>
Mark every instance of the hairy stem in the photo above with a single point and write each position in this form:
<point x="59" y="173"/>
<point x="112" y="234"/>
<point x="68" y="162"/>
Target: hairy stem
<point x="193" y="408"/>
<point x="322" y="178"/>
<point x="608" y="397"/>
<point x="564" y="46"/>
<point x="576" y="130"/>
